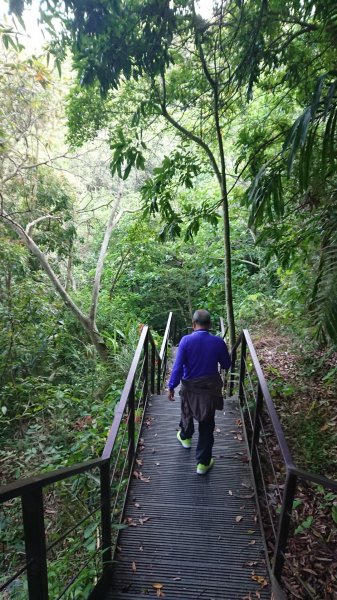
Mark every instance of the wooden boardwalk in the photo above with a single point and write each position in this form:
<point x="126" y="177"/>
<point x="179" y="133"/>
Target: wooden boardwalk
<point x="190" y="537"/>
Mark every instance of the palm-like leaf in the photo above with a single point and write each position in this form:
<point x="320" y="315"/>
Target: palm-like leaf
<point x="324" y="301"/>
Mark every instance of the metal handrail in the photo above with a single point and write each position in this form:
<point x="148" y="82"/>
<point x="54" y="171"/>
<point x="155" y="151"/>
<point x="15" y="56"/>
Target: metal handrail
<point x="292" y="473"/>
<point x="270" y="405"/>
<point x="29" y="484"/>
<point x="31" y="489"/>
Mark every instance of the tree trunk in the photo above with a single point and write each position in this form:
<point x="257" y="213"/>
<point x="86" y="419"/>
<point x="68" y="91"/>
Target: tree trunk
<point x="228" y="265"/>
<point x="70" y="281"/>
<point x="102" y="254"/>
<point x="220" y="174"/>
<point x="97" y="339"/>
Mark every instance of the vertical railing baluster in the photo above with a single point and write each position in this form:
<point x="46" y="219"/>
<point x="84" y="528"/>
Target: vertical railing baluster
<point x="153" y="367"/>
<point x="256" y="429"/>
<point x="146" y="370"/>
<point x="35" y="542"/>
<point x="232" y="374"/>
<point x="106" y="514"/>
<point x="242" y="368"/>
<point x="131" y="425"/>
<point x="284" y="524"/>
<point x="174" y="339"/>
<point x="159" y="379"/>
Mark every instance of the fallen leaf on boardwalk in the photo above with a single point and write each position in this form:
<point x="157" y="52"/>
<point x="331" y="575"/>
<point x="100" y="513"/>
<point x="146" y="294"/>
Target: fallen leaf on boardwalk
<point x="139" y="462"/>
<point x="250" y="563"/>
<point x="158" y="587"/>
<point x="143" y="520"/>
<point x="137" y="505"/>
<point x="259" y="579"/>
<point x="129" y="521"/>
<point x="142" y="478"/>
<point x="141" y="548"/>
<point x="134" y="568"/>
<point x="257" y="594"/>
<point x="247" y="597"/>
<point x="239" y="437"/>
<point x="157" y="464"/>
<point x="230" y="492"/>
<point x="252" y="542"/>
<point x="239" y="518"/>
<point x="136" y="474"/>
<point x="250" y="531"/>
<point x="176" y="578"/>
<point x="218" y="430"/>
<point x="238" y="422"/>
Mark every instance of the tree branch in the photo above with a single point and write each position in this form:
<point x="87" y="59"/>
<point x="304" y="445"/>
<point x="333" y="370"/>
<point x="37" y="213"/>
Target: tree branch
<point x="38" y="220"/>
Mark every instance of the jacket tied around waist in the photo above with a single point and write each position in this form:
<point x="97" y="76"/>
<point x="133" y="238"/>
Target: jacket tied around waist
<point x="200" y="398"/>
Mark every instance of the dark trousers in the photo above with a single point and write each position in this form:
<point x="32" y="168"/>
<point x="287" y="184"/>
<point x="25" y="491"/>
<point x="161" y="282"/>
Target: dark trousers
<point x="205" y="441"/>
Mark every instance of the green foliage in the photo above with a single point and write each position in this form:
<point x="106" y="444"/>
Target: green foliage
<point x="119" y="40"/>
<point x="306" y="524"/>
<point x="128" y="152"/>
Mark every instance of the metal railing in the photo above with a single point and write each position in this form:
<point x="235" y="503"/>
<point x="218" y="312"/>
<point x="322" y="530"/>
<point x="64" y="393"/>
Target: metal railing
<point x="276" y="477"/>
<point x="146" y="374"/>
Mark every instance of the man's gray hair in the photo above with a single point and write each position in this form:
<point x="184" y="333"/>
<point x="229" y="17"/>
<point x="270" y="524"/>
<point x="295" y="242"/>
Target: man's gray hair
<point x="202" y="317"/>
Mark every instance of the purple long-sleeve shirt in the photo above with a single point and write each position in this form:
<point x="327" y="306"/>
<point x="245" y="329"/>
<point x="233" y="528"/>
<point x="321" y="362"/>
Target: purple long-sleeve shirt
<point x="199" y="354"/>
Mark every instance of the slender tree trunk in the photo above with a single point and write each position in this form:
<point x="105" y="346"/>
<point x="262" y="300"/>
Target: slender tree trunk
<point x="228" y="265"/>
<point x="70" y="281"/>
<point x="220" y="173"/>
<point x="100" y="261"/>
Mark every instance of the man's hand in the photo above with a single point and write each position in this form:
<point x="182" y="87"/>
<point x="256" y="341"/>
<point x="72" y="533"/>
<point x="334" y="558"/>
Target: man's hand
<point x="170" y="395"/>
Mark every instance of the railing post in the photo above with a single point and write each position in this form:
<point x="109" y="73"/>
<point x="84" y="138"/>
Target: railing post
<point x="256" y="428"/>
<point x="284" y="524"/>
<point x="35" y="542"/>
<point x="146" y="370"/>
<point x="131" y="425"/>
<point x="106" y="514"/>
<point x="242" y="367"/>
<point x="159" y="375"/>
<point x="153" y="368"/>
<point x="231" y="374"/>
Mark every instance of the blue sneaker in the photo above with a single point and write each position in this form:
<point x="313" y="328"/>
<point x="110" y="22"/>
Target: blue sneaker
<point x="185" y="443"/>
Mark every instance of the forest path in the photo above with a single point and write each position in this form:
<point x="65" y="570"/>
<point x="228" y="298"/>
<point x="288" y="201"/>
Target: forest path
<point x="196" y="536"/>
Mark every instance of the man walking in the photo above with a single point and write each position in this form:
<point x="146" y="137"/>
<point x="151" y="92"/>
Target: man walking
<point x="197" y="367"/>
